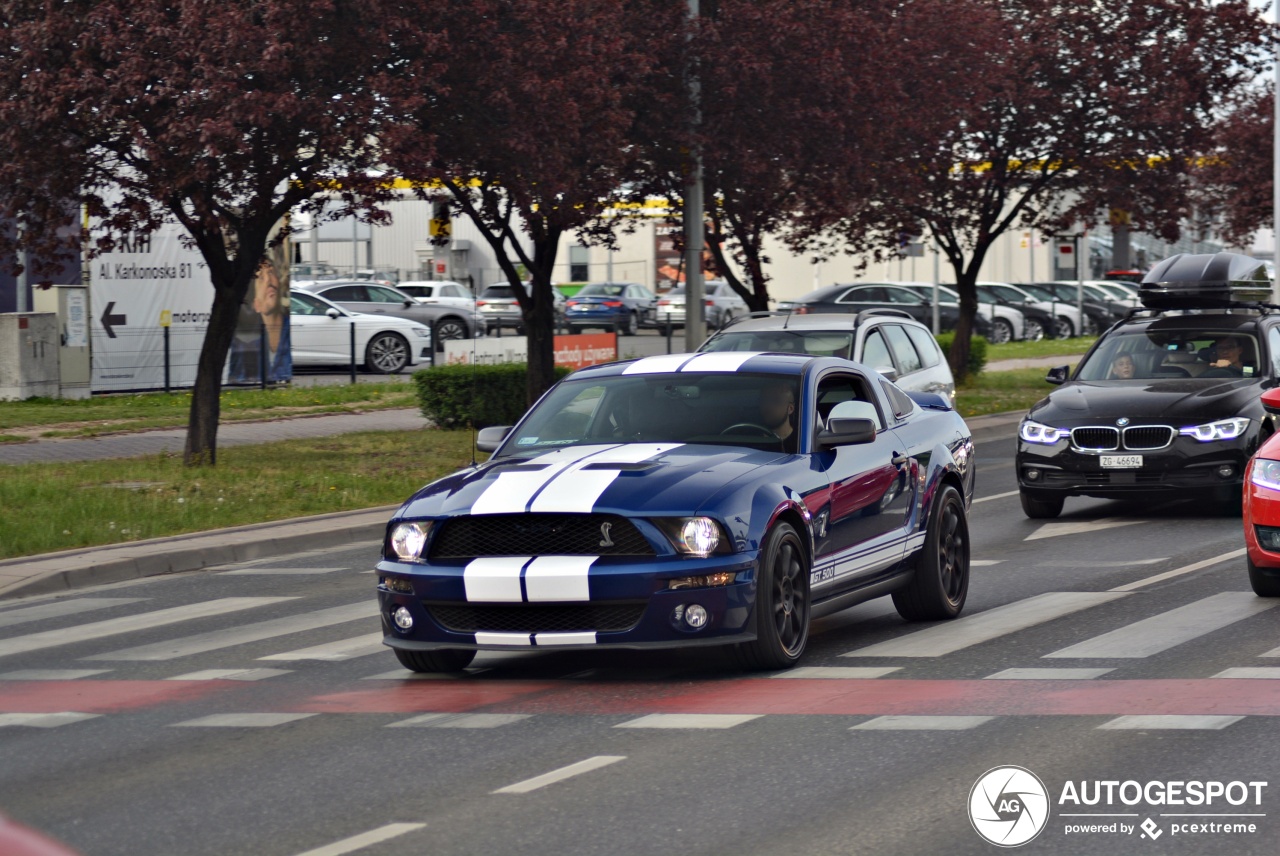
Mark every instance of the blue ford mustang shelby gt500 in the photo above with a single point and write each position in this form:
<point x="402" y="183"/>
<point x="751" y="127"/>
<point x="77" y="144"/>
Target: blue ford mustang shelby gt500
<point x="684" y="500"/>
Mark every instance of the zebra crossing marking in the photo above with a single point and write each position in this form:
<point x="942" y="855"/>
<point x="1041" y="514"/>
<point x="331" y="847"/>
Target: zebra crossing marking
<point x="230" y="675"/>
<point x="59" y="609"/>
<point x="1168" y="722"/>
<point x="461" y="720"/>
<point x="342" y="649"/>
<point x="51" y="674"/>
<point x="834" y="673"/>
<point x="1047" y="674"/>
<point x="585" y="766"/>
<point x="365" y="839"/>
<point x="1185" y="569"/>
<point x="690" y="720"/>
<point x="243" y="720"/>
<point x="922" y="723"/>
<point x="1251" y="672"/>
<point x="279" y="572"/>
<point x="44" y="720"/>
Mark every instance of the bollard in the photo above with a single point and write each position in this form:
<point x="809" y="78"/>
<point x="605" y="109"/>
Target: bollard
<point x="262" y="354"/>
<point x="166" y="359"/>
<point x="668" y="334"/>
<point x="353" y="350"/>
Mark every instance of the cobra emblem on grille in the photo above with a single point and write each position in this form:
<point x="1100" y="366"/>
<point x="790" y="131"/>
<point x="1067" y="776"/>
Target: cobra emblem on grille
<point x="605" y="540"/>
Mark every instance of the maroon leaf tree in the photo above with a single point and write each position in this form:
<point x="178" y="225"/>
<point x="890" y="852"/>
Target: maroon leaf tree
<point x="1089" y="106"/>
<point x="1235" y="182"/>
<point x="225" y="116"/>
<point x="533" y="123"/>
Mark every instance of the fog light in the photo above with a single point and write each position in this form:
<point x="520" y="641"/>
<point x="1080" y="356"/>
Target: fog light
<point x="402" y="618"/>
<point x="695" y="616"/>
<point x="1031" y="475"/>
<point x="1268" y="538"/>
<point x="1226" y="471"/>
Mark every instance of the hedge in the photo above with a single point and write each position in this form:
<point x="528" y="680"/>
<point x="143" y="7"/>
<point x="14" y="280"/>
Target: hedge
<point x="451" y="396"/>
<point x="977" y="351"/>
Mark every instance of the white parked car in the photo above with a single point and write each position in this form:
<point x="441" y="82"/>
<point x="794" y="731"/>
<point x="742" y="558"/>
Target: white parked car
<point x="320" y="335"/>
<point x="1007" y="323"/>
<point x="721" y="305"/>
<point x="442" y="292"/>
<point x="1066" y="315"/>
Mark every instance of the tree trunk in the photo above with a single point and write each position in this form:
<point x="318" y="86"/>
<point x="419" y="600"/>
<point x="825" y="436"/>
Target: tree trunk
<point x="539" y="329"/>
<point x="202" y="425"/>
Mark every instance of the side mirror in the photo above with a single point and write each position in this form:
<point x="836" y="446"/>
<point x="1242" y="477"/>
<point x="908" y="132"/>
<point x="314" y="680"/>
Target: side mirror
<point x="846" y="432"/>
<point x="1271" y="401"/>
<point x="1058" y="375"/>
<point x="409" y="302"/>
<point x="888" y="372"/>
<point x="489" y="439"/>
<point x="333" y="313"/>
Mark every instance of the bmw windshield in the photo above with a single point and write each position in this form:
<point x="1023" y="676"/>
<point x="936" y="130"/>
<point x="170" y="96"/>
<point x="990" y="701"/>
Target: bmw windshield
<point x="1164" y="354"/>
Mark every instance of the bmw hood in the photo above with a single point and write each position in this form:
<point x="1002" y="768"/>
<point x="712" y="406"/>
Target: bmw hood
<point x="1182" y="400"/>
<point x="635" y="479"/>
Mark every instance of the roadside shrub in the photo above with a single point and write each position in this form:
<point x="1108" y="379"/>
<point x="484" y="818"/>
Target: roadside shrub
<point x="977" y="351"/>
<point x="490" y="395"/>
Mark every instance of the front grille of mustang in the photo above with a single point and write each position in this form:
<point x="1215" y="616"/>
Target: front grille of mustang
<point x="1147" y="437"/>
<point x="536" y="618"/>
<point x="537" y="535"/>
<point x="1136" y="438"/>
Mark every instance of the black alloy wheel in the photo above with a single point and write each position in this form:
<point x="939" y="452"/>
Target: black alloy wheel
<point x="387" y="353"/>
<point x="1033" y="330"/>
<point x="630" y="326"/>
<point x="439" y="660"/>
<point x="941" y="582"/>
<point x="1063" y="328"/>
<point x="782" y="603"/>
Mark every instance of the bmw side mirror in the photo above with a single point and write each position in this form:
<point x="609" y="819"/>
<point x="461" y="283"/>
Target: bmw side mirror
<point x="846" y="432"/>
<point x="489" y="439"/>
<point x="1058" y="375"/>
<point x="1271" y="401"/>
<point x="333" y="313"/>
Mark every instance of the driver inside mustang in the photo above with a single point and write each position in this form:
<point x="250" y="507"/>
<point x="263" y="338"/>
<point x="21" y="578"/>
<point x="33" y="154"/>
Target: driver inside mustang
<point x="777" y="410"/>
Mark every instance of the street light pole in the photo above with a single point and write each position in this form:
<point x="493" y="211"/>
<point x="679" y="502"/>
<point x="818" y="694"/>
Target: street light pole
<point x="1275" y="170"/>
<point x="694" y="292"/>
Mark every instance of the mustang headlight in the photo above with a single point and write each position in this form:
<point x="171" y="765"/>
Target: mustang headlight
<point x="694" y="536"/>
<point x="1266" y="473"/>
<point x="1223" y="429"/>
<point x="1035" y="432"/>
<point x="408" y="539"/>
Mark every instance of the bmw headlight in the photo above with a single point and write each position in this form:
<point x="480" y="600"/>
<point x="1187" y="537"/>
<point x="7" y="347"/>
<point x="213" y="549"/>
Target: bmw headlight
<point x="1035" y="432"/>
<point x="1223" y="429"/>
<point x="1266" y="473"/>
<point x="694" y="536"/>
<point x="408" y="539"/>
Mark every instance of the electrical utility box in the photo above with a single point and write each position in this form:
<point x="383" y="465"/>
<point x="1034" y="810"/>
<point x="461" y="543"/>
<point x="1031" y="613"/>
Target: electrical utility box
<point x="28" y="355"/>
<point x="71" y="304"/>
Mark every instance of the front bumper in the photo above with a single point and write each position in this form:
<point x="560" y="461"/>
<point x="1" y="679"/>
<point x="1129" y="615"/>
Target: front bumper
<point x="630" y="606"/>
<point x="1261" y="508"/>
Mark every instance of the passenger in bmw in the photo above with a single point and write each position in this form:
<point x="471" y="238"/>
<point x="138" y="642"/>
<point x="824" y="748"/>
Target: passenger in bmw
<point x="1122" y="367"/>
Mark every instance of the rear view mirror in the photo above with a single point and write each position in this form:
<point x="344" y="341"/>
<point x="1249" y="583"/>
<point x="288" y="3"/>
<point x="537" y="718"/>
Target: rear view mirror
<point x="1058" y="374"/>
<point x="489" y="439"/>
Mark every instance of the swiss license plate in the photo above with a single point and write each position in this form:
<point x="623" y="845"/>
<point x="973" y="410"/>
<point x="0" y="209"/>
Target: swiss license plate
<point x="1121" y="462"/>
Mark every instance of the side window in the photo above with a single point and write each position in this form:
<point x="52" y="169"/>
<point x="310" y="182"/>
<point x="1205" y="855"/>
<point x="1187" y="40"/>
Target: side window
<point x="384" y="295"/>
<point x="1273" y="345"/>
<point x="835" y="390"/>
<point x="908" y="359"/>
<point x="902" y="405"/>
<point x="902" y="295"/>
<point x="872" y="294"/>
<point x="302" y="305"/>
<point x="346" y="292"/>
<point x="926" y="346"/>
<point x="875" y="353"/>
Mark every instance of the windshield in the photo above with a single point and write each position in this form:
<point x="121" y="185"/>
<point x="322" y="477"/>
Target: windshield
<point x="718" y="409"/>
<point x="818" y="343"/>
<point x="1163" y="354"/>
<point x="601" y="289"/>
<point x="1041" y="293"/>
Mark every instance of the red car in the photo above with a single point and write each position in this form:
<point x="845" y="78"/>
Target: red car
<point x="1262" y="510"/>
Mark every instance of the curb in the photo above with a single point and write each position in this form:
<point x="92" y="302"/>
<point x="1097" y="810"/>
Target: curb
<point x="52" y="573"/>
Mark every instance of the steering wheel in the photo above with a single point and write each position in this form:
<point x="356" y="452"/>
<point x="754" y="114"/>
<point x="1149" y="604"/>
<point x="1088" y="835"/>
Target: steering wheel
<point x="763" y="431"/>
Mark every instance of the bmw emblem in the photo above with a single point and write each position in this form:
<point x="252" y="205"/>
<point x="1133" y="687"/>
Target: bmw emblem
<point x="1122" y="421"/>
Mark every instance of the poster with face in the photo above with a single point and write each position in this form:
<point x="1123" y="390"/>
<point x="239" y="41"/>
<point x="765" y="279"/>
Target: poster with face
<point x="261" y="348"/>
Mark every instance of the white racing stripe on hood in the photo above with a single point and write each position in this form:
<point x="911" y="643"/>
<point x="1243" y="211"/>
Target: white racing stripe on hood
<point x="494" y="579"/>
<point x="558" y="578"/>
<point x="510" y="492"/>
<point x="574" y="490"/>
<point x="719" y="361"/>
<point x="662" y="364"/>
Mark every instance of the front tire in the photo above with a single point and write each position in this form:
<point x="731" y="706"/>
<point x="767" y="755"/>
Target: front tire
<point x="782" y="603"/>
<point x="1063" y="328"/>
<point x="1263" y="585"/>
<point x="386" y="353"/>
<point x="630" y="326"/>
<point x="1033" y="330"/>
<point x="449" y="328"/>
<point x="940" y="585"/>
<point x="1040" y="509"/>
<point x="441" y="660"/>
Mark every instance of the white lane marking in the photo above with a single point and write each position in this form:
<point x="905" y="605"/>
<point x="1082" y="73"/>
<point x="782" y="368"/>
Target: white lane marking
<point x="1078" y="527"/>
<point x="983" y="563"/>
<point x="215" y="640"/>
<point x="511" y="491"/>
<point x="44" y="720"/>
<point x="230" y="675"/>
<point x="841" y="673"/>
<point x="576" y="489"/>
<point x="1185" y="569"/>
<point x="689" y="720"/>
<point x="51" y="674"/>
<point x="558" y="578"/>
<point x="561" y="774"/>
<point x="461" y="720"/>
<point x="1159" y="722"/>
<point x="406" y="675"/>
<point x="1048" y="674"/>
<point x="1089" y="563"/>
<point x="922" y="723"/>
<point x="985" y="626"/>
<point x="128" y="624"/>
<point x="494" y="579"/>
<point x="279" y="572"/>
<point x="719" y="361"/>
<point x="549" y="640"/>
<point x="365" y="839"/>
<point x="343" y="649"/>
<point x="1269" y="673"/>
<point x="243" y="720"/>
<point x="516" y="639"/>
<point x="1169" y="629"/>
<point x="661" y="364"/>
<point x="62" y="608"/>
<point x="996" y="496"/>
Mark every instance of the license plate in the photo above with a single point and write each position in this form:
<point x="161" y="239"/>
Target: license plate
<point x="1121" y="462"/>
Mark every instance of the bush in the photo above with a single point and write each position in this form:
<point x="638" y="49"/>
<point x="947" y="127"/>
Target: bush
<point x="450" y="396"/>
<point x="977" y="351"/>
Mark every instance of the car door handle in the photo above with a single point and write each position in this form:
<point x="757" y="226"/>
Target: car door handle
<point x="899" y="460"/>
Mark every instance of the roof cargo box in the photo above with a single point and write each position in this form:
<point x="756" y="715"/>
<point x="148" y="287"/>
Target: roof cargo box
<point x="1205" y="281"/>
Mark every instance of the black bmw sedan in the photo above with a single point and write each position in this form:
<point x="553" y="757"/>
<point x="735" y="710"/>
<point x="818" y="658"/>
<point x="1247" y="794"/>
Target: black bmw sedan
<point x="1165" y="405"/>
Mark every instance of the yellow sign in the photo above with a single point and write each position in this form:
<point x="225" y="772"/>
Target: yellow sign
<point x="441" y="228"/>
<point x="166" y="317"/>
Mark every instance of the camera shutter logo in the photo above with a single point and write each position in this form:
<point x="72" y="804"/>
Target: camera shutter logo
<point x="1009" y="806"/>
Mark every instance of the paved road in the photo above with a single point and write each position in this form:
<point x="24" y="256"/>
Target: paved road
<point x="251" y="710"/>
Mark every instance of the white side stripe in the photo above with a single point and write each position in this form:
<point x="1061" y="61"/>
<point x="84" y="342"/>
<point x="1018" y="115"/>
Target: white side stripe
<point x="558" y="578"/>
<point x="494" y="578"/>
